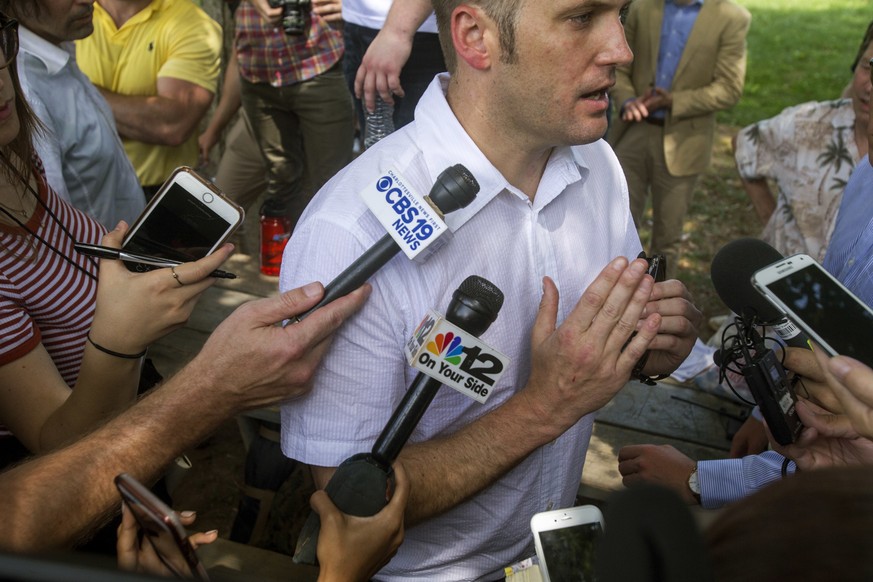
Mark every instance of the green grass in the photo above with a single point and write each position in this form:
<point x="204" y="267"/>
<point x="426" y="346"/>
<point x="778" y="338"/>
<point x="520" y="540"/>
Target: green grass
<point x="799" y="50"/>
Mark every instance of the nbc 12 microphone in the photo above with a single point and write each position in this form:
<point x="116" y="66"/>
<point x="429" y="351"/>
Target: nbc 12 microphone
<point x="732" y="269"/>
<point x="361" y="483"/>
<point x="455" y="188"/>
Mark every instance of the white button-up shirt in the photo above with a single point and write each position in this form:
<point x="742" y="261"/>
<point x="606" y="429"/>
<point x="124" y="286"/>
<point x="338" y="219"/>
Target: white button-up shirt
<point x="84" y="160"/>
<point x="578" y="221"/>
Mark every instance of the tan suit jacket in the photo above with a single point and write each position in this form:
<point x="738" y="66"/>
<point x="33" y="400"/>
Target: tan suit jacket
<point x="709" y="77"/>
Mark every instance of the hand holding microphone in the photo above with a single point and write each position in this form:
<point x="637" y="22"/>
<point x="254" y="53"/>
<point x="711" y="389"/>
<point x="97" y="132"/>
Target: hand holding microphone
<point x="363" y="483"/>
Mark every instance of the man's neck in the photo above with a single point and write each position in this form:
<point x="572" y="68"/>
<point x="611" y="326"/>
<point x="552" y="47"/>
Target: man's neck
<point x="123" y="10"/>
<point x="522" y="164"/>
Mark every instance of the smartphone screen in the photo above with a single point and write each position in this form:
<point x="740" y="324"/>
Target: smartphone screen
<point x="569" y="552"/>
<point x="826" y="309"/>
<point x="180" y="227"/>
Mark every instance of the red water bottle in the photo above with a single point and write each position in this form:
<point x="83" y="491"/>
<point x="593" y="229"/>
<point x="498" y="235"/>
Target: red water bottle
<point x="275" y="232"/>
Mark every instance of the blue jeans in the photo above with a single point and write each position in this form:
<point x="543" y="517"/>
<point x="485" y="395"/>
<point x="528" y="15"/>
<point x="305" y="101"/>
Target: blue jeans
<point x="425" y="61"/>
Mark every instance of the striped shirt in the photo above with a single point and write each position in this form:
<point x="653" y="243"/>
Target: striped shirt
<point x="43" y="298"/>
<point x="268" y="55"/>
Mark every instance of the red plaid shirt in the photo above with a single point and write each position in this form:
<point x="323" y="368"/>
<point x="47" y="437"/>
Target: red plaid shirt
<point x="268" y="55"/>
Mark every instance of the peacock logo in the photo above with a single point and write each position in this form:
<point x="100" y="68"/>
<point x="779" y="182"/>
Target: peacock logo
<point x="449" y="345"/>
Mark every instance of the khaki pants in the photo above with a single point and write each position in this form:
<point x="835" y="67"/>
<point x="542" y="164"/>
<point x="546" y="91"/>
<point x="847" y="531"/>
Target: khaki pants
<point x="641" y="154"/>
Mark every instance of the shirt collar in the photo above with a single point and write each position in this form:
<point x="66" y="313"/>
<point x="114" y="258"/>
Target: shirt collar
<point x="53" y="56"/>
<point x="449" y="144"/>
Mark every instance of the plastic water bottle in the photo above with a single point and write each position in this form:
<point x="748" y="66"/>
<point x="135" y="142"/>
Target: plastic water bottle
<point x="275" y="232"/>
<point x="379" y="123"/>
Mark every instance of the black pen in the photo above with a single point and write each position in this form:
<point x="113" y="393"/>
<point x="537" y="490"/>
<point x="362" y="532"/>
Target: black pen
<point x="120" y="255"/>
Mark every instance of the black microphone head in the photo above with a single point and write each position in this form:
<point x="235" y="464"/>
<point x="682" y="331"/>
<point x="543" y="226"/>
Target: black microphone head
<point x="475" y="305"/>
<point x="732" y="269"/>
<point x="455" y="188"/>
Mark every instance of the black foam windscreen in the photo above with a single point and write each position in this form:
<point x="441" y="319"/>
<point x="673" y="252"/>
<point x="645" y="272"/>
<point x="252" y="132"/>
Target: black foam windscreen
<point x="731" y="272"/>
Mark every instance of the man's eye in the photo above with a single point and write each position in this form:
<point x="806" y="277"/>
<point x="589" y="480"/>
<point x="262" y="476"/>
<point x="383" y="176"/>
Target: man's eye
<point x="581" y="19"/>
<point x="624" y="12"/>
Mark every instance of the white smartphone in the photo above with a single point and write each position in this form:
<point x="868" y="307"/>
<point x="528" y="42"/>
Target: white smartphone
<point x="163" y="529"/>
<point x="187" y="219"/>
<point x="565" y="541"/>
<point x="819" y="304"/>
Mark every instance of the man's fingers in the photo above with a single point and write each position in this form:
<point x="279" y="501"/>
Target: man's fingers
<point x="196" y="271"/>
<point x="803" y="362"/>
<point x="630" y="452"/>
<point x="623" y="305"/>
<point x="595" y="297"/>
<point x="401" y="488"/>
<point x="830" y="425"/>
<point x="315" y="333"/>
<point x="323" y="506"/>
<point x="642" y="341"/>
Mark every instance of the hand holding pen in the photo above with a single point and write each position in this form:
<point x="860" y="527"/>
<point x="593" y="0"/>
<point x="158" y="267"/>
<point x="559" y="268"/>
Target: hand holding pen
<point x="121" y="255"/>
<point x="134" y="309"/>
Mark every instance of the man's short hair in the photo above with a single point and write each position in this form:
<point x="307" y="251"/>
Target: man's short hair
<point x="503" y="12"/>
<point x="19" y="9"/>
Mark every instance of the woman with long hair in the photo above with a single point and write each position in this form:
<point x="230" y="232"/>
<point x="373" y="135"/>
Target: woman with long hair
<point x="70" y="349"/>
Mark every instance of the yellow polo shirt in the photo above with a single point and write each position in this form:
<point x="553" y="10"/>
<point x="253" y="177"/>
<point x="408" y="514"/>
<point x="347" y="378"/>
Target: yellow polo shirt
<point x="168" y="38"/>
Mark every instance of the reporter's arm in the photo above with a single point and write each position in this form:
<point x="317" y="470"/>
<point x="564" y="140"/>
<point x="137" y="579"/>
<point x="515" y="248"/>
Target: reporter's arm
<point x="132" y="311"/>
<point x="379" y="73"/>
<point x="227" y="107"/>
<point x="761" y="197"/>
<point x="184" y="85"/>
<point x="168" y="118"/>
<point x="248" y="362"/>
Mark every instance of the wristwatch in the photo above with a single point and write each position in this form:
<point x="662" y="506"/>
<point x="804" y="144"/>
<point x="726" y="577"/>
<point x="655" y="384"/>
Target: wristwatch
<point x="694" y="484"/>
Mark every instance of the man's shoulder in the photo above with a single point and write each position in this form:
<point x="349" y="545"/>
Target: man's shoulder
<point x="817" y="111"/>
<point x="185" y="14"/>
<point x="732" y="10"/>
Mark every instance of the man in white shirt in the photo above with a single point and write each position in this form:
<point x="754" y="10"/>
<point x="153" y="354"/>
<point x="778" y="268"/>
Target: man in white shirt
<point x="84" y="160"/>
<point x="528" y="83"/>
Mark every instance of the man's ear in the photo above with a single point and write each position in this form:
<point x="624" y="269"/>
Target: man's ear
<point x="474" y="35"/>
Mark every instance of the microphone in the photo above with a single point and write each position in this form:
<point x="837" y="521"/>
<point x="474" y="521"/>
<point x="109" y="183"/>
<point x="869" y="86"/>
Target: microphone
<point x="732" y="269"/>
<point x="363" y="482"/>
<point x="455" y="188"/>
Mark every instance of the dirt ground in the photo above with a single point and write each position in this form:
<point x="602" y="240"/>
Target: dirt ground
<point x="212" y="488"/>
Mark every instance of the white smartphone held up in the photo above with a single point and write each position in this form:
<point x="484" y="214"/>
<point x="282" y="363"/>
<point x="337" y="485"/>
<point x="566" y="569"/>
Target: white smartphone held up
<point x="565" y="541"/>
<point x="187" y="219"/>
<point x="818" y="303"/>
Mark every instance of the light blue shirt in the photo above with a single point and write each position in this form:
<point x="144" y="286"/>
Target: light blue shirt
<point x="84" y="160"/>
<point x="675" y="30"/>
<point x="849" y="258"/>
